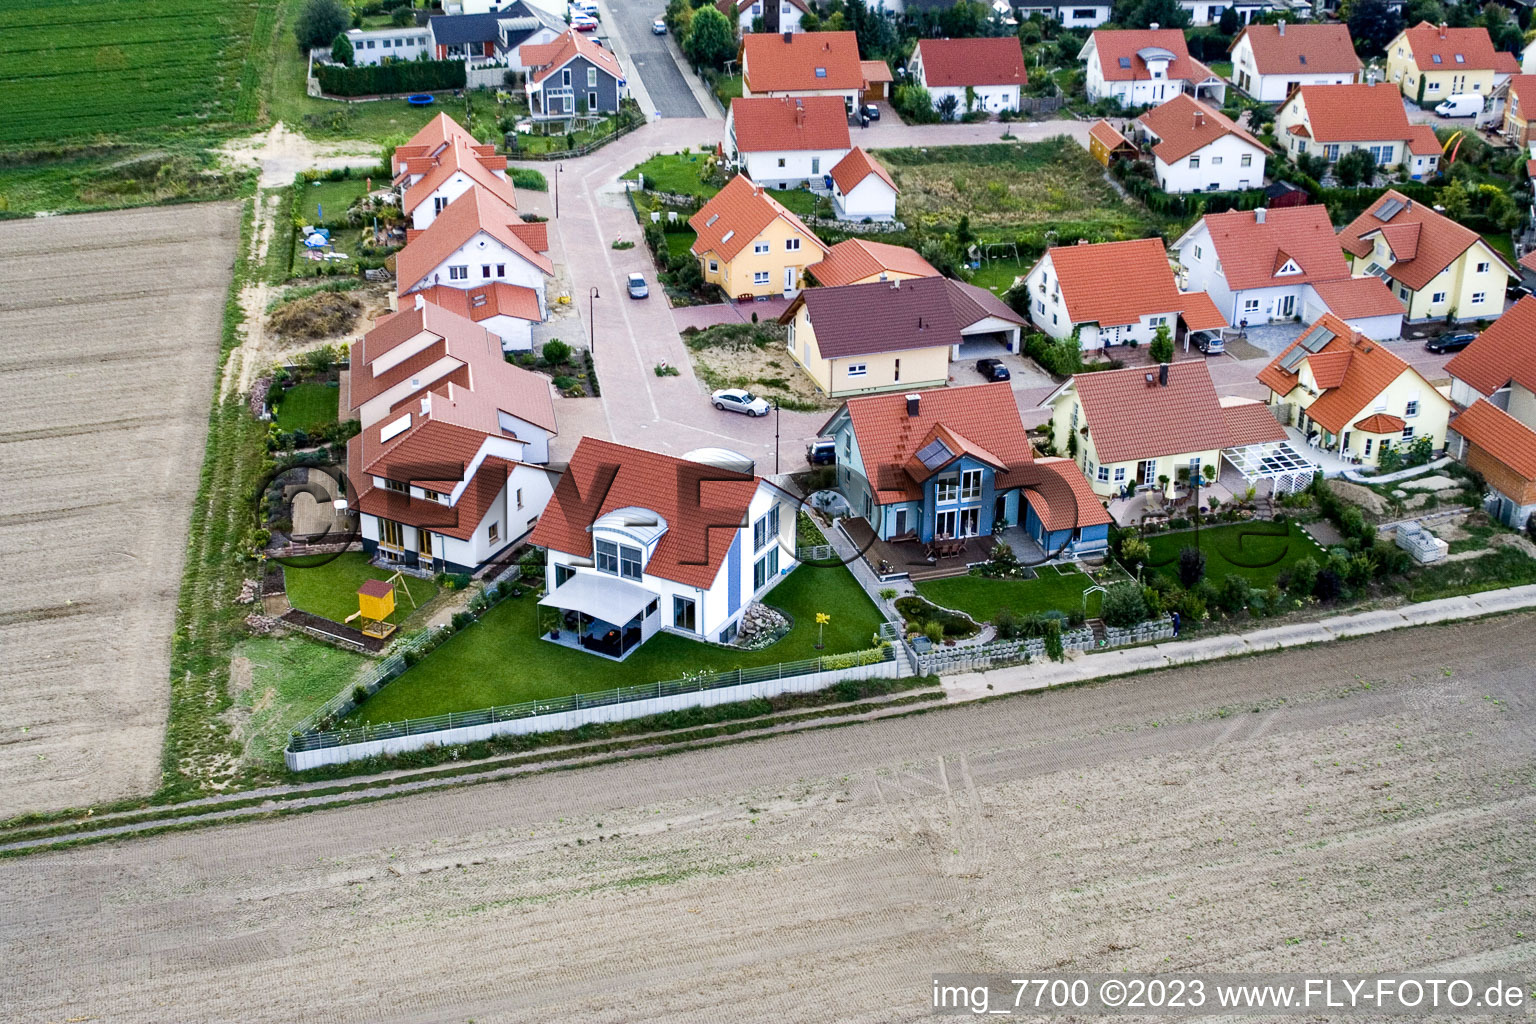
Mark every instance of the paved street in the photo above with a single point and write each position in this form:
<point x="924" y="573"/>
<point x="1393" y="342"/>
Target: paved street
<point x="654" y="57"/>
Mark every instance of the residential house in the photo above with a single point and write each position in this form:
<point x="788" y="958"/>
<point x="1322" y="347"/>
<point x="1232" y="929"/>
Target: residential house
<point x="1502" y="450"/>
<point x="1209" y="12"/>
<point x="859" y="338"/>
<point x="777" y="15"/>
<point x="1133" y="428"/>
<point x="572" y="75"/>
<point x="957" y="463"/>
<point x="493" y="38"/>
<point x="979" y="74"/>
<point x="1145" y="67"/>
<point x="1269" y="62"/>
<point x="802" y="64"/>
<point x="413" y="159"/>
<point x="1106" y="144"/>
<point x="1520" y="111"/>
<point x="787" y="142"/>
<point x="376" y="45"/>
<point x="475" y="240"/>
<point x="1088" y="14"/>
<point x="1114" y="293"/>
<point x="1332" y="120"/>
<point x="749" y="244"/>
<point x="862" y="189"/>
<point x="1350" y="396"/>
<point x="508" y="311"/>
<point x="641" y="543"/>
<point x="859" y="261"/>
<point x="1198" y="149"/>
<point x="430" y="183"/>
<point x="1500" y="365"/>
<point x="1265" y="266"/>
<point x="1438" y="268"/>
<point x="1428" y="62"/>
<point x="450" y="467"/>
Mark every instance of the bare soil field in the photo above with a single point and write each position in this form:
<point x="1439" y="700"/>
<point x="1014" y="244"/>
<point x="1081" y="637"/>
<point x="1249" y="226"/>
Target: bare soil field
<point x="1281" y="813"/>
<point x="109" y="336"/>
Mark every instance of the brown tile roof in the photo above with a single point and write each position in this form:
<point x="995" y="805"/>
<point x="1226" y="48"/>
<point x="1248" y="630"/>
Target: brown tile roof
<point x="1108" y="135"/>
<point x="985" y="416"/>
<point x="765" y="124"/>
<point x="1352" y="298"/>
<point x="1131" y="419"/>
<point x="894" y="316"/>
<point x="458" y="521"/>
<point x="1505" y="352"/>
<point x="551" y="57"/>
<point x="604" y="476"/>
<point x="1115" y="283"/>
<point x="1249" y="422"/>
<point x="737" y="214"/>
<point x="1351" y="370"/>
<point x="1422" y="140"/>
<point x="875" y="71"/>
<point x="857" y="166"/>
<point x="1496" y="432"/>
<point x="485" y="301"/>
<point x="1354" y="113"/>
<point x="1302" y="49"/>
<point x="432" y="137"/>
<point x="852" y="260"/>
<point x="474" y="211"/>
<point x="773" y="65"/>
<point x="1081" y="508"/>
<point x="1184" y="125"/>
<point x="1112" y="44"/>
<point x="1431" y="242"/>
<point x="1381" y="423"/>
<point x="1472" y="45"/>
<point x="1251" y="252"/>
<point x="995" y="60"/>
<point x="455" y="158"/>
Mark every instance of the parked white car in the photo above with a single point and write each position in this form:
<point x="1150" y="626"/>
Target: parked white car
<point x="1466" y="104"/>
<point x="737" y="400"/>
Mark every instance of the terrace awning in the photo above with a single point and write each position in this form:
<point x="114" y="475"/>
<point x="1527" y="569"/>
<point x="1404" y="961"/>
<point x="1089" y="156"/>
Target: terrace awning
<point x="1276" y="461"/>
<point x="600" y="596"/>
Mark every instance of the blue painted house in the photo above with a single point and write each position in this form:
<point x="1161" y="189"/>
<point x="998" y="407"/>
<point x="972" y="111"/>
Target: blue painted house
<point x="953" y="463"/>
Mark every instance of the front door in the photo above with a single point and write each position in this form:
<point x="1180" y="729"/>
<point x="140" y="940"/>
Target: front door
<point x="1287" y="306"/>
<point x="999" y="510"/>
<point x="901" y="522"/>
<point x="789" y="280"/>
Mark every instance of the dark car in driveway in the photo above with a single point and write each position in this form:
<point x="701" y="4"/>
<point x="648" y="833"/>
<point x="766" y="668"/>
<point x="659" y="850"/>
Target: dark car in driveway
<point x="1208" y="342"/>
<point x="821" y="452"/>
<point x="993" y="369"/>
<point x="1449" y="342"/>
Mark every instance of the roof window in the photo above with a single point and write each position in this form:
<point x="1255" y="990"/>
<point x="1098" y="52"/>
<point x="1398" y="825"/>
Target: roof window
<point x="821" y="72"/>
<point x="1435" y="57"/>
<point x="1125" y="62"/>
<point x="1303" y="59"/>
<point x="712" y="218"/>
<point x="727" y="236"/>
<point x="1460" y="59"/>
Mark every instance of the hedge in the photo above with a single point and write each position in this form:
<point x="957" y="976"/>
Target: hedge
<point x="384" y="79"/>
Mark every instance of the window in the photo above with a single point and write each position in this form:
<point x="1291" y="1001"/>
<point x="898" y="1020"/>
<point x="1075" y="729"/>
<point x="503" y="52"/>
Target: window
<point x="821" y="72"/>
<point x="591" y="78"/>
<point x="1479" y="297"/>
<point x="714" y="266"/>
<point x="591" y="101"/>
<point x="1157" y="321"/>
<point x="1301" y="146"/>
<point x="1437" y="297"/>
<point x="757" y="9"/>
<point x="970" y="484"/>
<point x="1199" y="253"/>
<point x="1215" y="160"/>
<point x="650" y="609"/>
<point x="431" y="495"/>
<point x="1246" y="161"/>
<point x="1331" y="152"/>
<point x="439" y="204"/>
<point x="760" y="246"/>
<point x="1250" y="305"/>
<point x="458" y="273"/>
<point x="629" y="562"/>
<point x="1407" y="433"/>
<point x="1119" y="474"/>
<point x="519" y="497"/>
<point x="493" y="533"/>
<point x="563" y="573"/>
<point x="815" y="165"/>
<point x="792" y="245"/>
<point x="1435" y="57"/>
<point x="766" y="529"/>
<point x="485" y="271"/>
<point x="1104" y="474"/>
<point x="765" y="569"/>
<point x="607" y="553"/>
<point x="944" y="524"/>
<point x="857" y="369"/>
<point x="1432" y="87"/>
<point x="683" y="614"/>
<point x="1039" y="307"/>
<point x="1411" y="409"/>
<point x="390" y="533"/>
<point x="760" y="277"/>
<point x="781" y="161"/>
<point x="1194" y="162"/>
<point x="397" y="487"/>
<point x="1402" y="293"/>
<point x="1482" y="268"/>
<point x="946" y="488"/>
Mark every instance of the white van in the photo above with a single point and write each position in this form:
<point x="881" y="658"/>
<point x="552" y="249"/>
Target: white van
<point x="1466" y="104"/>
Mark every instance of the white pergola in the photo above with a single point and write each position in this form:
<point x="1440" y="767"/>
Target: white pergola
<point x="1287" y="469"/>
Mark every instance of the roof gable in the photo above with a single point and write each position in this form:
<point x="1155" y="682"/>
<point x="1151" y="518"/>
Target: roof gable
<point x="548" y="58"/>
<point x="855" y="167"/>
<point x="1435" y="241"/>
<point x="1115" y="283"/>
<point x="1184" y="125"/>
<point x="737" y="214"/>
<point x="1124" y="54"/>
<point x="805" y="61"/>
<point x="1349" y="369"/>
<point x="1354" y="113"/>
<point x="473" y="212"/>
<point x="1440" y="48"/>
<point x="950" y="63"/>
<point x="458" y="158"/>
<point x="854" y="259"/>
<point x="1130" y="415"/>
<point x="1254" y="252"/>
<point x="1506" y="439"/>
<point x="1505" y="352"/>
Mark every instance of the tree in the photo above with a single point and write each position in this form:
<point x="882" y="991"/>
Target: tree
<point x="1455" y="200"/>
<point x="915" y="104"/>
<point x="555" y="352"/>
<point x="341" y="50"/>
<point x="1372" y="25"/>
<point x="1191" y="567"/>
<point x="1229" y="23"/>
<point x="1161" y="348"/>
<point x="1143" y="13"/>
<point x="403" y="16"/>
<point x="711" y="39"/>
<point x="1354" y="168"/>
<point x="947" y="106"/>
<point x="320" y="22"/>
<point x="1123" y="605"/>
<point x="1134" y="552"/>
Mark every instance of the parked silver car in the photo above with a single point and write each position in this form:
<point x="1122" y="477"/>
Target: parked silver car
<point x="737" y="400"/>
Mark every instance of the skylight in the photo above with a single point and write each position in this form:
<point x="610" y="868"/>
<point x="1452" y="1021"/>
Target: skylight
<point x="1303" y="59"/>
<point x="821" y="72"/>
<point x="1460" y="59"/>
<point x="477" y="300"/>
<point x="712" y="218"/>
<point x="727" y="236"/>
<point x="1435" y="58"/>
<point x="934" y="454"/>
<point x="1125" y="62"/>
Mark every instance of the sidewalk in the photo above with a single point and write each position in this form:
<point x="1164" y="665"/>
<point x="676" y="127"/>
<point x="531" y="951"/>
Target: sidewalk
<point x="1045" y="675"/>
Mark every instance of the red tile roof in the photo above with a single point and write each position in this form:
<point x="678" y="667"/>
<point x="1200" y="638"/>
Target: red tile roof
<point x="875" y="71"/>
<point x="1112" y="44"/>
<point x="473" y="212"/>
<point x="1505" y="63"/>
<point x="773" y="65"/>
<point x="696" y="500"/>
<point x="1422" y="140"/>
<point x="1081" y="508"/>
<point x="1505" y="352"/>
<point x="1523" y="89"/>
<point x="1351" y="370"/>
<point x="1300" y="49"/>
<point x="980" y="418"/>
<point x="1252" y="251"/>
<point x="1249" y="422"/>
<point x="487" y="300"/>
<point x="1423" y="241"/>
<point x="1496" y="432"/>
<point x="432" y="137"/>
<point x="1108" y="136"/>
<point x="950" y="63"/>
<point x="853" y="260"/>
<point x="1184" y="125"/>
<point x="737" y="214"/>
<point x="857" y="166"/>
<point x="1200" y="312"/>
<point x="456" y="158"/>
<point x="1353" y="298"/>
<point x="548" y="58"/>
<point x="1130" y="419"/>
<point x="766" y="124"/>
<point x="534" y="233"/>
<point x="1381" y="423"/>
<point x="458" y="521"/>
<point x="1116" y="283"/>
<point x="1354" y="113"/>
<point x="1472" y="45"/>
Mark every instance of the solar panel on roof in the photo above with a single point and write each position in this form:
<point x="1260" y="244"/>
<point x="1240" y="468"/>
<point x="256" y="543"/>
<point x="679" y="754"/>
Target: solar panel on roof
<point x="1290" y="362"/>
<point x="1389" y="209"/>
<point x="934" y="454"/>
<point x="1319" y="337"/>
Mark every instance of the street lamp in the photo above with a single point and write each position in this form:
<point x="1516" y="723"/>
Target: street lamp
<point x="776" y="408"/>
<point x="592" y="298"/>
<point x="558" y="169"/>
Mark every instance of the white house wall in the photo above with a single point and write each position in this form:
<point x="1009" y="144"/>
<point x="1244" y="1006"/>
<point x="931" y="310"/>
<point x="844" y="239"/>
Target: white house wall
<point x="516" y="334"/>
<point x="479" y="252"/>
<point x="456" y="185"/>
<point x="1227" y="175"/>
<point x="408" y="43"/>
<point x="992" y="98"/>
<point x="871" y="198"/>
<point x="800" y="166"/>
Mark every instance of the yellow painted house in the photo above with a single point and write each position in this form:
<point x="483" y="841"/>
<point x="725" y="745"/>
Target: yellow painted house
<point x="1351" y="396"/>
<point x="750" y="244"/>
<point x="1428" y="62"/>
<point x="1437" y="268"/>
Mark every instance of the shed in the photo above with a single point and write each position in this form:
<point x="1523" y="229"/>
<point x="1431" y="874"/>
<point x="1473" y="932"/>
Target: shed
<point x="1106" y="145"/>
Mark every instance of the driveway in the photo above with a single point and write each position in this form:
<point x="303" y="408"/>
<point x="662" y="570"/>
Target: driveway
<point x="653" y="58"/>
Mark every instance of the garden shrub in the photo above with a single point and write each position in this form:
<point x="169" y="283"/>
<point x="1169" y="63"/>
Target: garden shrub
<point x="1303" y="577"/>
<point x="1191" y="566"/>
<point x="1124" y="605"/>
<point x="1234" y="594"/>
<point x="555" y="352"/>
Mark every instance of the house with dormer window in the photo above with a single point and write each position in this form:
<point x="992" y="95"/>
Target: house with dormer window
<point x="1145" y="67"/>
<point x="572" y="75"/>
<point x="750" y="244"/>
<point x="477" y="239"/>
<point x="640" y="543"/>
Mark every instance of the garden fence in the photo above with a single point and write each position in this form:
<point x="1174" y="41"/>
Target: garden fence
<point x="996" y="653"/>
<point x="1142" y="632"/>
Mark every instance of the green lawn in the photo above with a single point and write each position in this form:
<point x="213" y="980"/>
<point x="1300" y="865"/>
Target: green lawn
<point x="727" y="88"/>
<point x="330" y="590"/>
<point x="1221" y="67"/>
<point x="997" y="275"/>
<point x="982" y="598"/>
<point x="680" y="243"/>
<point x="1259" y="550"/>
<point x="1501" y="244"/>
<point x="290" y="677"/>
<point x="502" y="660"/>
<point x="332" y="198"/>
<point x="675" y="172"/>
<point x="307" y="405"/>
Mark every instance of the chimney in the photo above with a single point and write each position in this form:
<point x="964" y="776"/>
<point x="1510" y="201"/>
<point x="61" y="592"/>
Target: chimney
<point x="788" y="37"/>
<point x="421" y="301"/>
<point x="1199" y="119"/>
<point x="1162" y="374"/>
<point x="1407" y="204"/>
<point x="1281" y="26"/>
<point x="912" y="404"/>
<point x="1443" y="28"/>
<point x="426" y="404"/>
<point x="1258" y="215"/>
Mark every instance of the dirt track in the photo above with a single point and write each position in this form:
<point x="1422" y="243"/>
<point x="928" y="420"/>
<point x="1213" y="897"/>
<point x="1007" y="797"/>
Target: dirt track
<point x="1275" y="813"/>
<point x="109" y="332"/>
